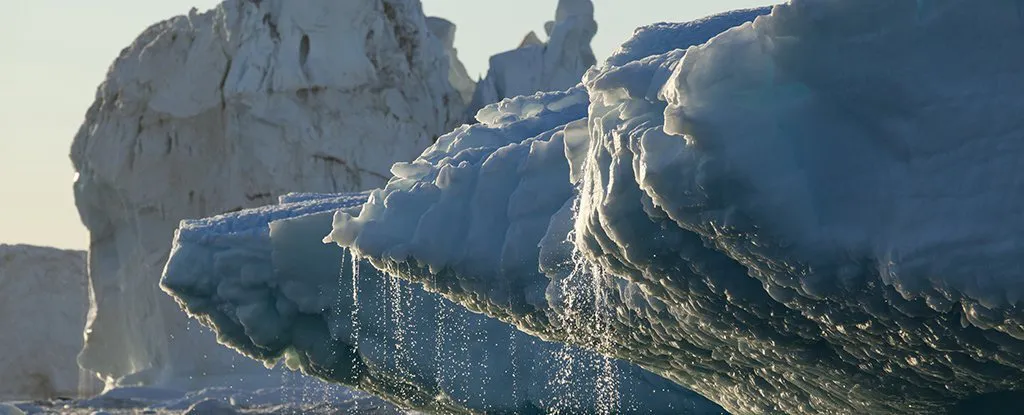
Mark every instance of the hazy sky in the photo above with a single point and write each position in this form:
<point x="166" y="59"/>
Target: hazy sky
<point x="56" y="52"/>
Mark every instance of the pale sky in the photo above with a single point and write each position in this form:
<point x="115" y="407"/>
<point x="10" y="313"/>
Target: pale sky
<point x="56" y="52"/>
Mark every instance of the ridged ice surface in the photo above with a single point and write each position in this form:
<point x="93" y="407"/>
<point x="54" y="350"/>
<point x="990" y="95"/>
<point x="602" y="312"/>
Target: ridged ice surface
<point x="813" y="213"/>
<point x="274" y="291"/>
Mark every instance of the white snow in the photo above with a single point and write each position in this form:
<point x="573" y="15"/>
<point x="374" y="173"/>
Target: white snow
<point x="43" y="302"/>
<point x="224" y="110"/>
<point x="812" y="213"/>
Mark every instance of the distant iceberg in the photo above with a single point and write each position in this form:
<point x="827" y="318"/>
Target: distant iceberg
<point x="40" y="338"/>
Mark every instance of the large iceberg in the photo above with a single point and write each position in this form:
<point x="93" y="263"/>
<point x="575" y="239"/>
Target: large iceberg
<point x="228" y="109"/>
<point x="816" y="212"/>
<point x="275" y="294"/>
<point x="813" y="212"/>
<point x="42" y="311"/>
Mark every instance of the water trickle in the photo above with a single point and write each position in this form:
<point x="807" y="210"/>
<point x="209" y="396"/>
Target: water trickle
<point x="355" y="299"/>
<point x="398" y="318"/>
<point x="608" y="378"/>
<point x="586" y="316"/>
<point x="513" y="368"/>
<point x="354" y="269"/>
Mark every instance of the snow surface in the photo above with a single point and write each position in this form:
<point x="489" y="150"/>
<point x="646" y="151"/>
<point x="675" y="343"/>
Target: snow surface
<point x="812" y="213"/>
<point x="534" y="66"/>
<point x="275" y="294"/>
<point x="43" y="302"/>
<point x="227" y="109"/>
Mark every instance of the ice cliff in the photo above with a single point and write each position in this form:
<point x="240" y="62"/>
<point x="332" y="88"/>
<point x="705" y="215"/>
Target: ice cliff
<point x="554" y="65"/>
<point x="227" y="109"/>
<point x="816" y="212"/>
<point x="41" y="317"/>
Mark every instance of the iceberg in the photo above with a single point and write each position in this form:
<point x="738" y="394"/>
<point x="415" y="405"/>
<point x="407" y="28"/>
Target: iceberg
<point x="41" y="337"/>
<point x="276" y="295"/>
<point x="813" y="212"/>
<point x="224" y="110"/>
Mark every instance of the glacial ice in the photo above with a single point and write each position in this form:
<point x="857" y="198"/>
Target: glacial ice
<point x="275" y="294"/>
<point x="41" y="318"/>
<point x="811" y="213"/>
<point x="224" y="110"/>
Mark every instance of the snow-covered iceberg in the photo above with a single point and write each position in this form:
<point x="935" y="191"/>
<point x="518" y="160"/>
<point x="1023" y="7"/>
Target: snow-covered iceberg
<point x="43" y="302"/>
<point x="816" y="212"/>
<point x="228" y="109"/>
<point x="275" y="294"/>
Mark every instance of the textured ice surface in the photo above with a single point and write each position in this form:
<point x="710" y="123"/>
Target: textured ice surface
<point x="554" y="65"/>
<point x="272" y="290"/>
<point x="43" y="302"/>
<point x="813" y="213"/>
<point x="227" y="109"/>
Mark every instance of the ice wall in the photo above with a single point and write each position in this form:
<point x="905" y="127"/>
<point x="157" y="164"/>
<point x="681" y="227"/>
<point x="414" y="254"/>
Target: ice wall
<point x="813" y="213"/>
<point x="43" y="302"/>
<point x="554" y="65"/>
<point x="227" y="109"/>
<point x="275" y="294"/>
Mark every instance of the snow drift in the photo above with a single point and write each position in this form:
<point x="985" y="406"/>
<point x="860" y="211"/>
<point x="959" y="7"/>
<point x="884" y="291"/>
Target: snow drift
<point x="42" y="312"/>
<point x="275" y="294"/>
<point x="813" y="213"/>
<point x="224" y="110"/>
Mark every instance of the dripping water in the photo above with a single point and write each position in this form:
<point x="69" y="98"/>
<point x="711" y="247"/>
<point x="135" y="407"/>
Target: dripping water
<point x="354" y="317"/>
<point x="607" y="381"/>
<point x="396" y="305"/>
<point x="586" y="318"/>
<point x="442" y="316"/>
<point x="356" y="326"/>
